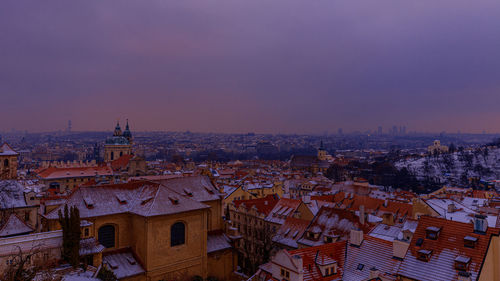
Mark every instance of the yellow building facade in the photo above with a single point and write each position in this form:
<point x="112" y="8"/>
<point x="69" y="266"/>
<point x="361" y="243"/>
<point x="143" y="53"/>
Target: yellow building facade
<point x="173" y="228"/>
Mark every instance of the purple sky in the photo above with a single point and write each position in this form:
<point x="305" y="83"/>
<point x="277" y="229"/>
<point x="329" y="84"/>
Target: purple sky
<point x="237" y="66"/>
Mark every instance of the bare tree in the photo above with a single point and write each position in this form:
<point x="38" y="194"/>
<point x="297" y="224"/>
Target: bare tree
<point x="24" y="266"/>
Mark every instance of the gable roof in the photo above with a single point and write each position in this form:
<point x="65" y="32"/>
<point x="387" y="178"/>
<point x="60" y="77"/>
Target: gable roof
<point x="14" y="226"/>
<point x="6" y="150"/>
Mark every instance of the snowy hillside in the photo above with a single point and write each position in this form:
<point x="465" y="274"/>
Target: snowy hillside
<point x="455" y="168"/>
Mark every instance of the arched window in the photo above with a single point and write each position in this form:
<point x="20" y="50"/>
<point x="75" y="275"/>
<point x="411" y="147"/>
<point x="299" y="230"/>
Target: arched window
<point x="107" y="236"/>
<point x="112" y="155"/>
<point x="121" y="153"/>
<point x="6" y="163"/>
<point x="177" y="234"/>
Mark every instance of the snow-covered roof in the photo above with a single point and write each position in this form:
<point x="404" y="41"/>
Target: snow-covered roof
<point x="217" y="242"/>
<point x="385" y="232"/>
<point x="123" y="264"/>
<point x="14" y="226"/>
<point x="6" y="150"/>
<point x="140" y="198"/>
<point x="12" y="195"/>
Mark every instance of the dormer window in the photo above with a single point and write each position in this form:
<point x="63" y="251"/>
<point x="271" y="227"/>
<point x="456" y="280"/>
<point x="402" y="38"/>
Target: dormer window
<point x="121" y="199"/>
<point x="470" y="242"/>
<point x="424" y="255"/>
<point x="89" y="203"/>
<point x="432" y="232"/>
<point x="462" y="263"/>
<point x="328" y="239"/>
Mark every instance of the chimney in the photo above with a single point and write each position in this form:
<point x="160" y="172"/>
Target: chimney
<point x="480" y="224"/>
<point x="306" y="199"/>
<point x="362" y="214"/>
<point x="374" y="273"/>
<point x="451" y="208"/>
<point x="399" y="248"/>
<point x="356" y="237"/>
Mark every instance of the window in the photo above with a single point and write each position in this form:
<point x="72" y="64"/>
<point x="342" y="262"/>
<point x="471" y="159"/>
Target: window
<point x="26" y="216"/>
<point x="360" y="266"/>
<point x="112" y="155"/>
<point x="177" y="234"/>
<point x="329" y="271"/>
<point x="106" y="235"/>
<point x="86" y="232"/>
<point x="6" y="163"/>
<point x="285" y="273"/>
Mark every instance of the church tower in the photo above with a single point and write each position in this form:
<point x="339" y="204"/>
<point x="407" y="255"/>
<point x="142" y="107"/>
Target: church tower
<point x="322" y="155"/>
<point x="8" y="162"/>
<point x="118" y="145"/>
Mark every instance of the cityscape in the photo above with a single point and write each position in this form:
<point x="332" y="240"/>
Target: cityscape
<point x="249" y="141"/>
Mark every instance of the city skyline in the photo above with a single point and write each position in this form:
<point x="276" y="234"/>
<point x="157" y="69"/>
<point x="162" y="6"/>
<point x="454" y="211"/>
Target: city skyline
<point x="236" y="67"/>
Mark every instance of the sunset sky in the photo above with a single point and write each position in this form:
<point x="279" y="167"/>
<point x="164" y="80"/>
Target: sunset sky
<point x="238" y="66"/>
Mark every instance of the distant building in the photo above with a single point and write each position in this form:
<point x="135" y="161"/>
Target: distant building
<point x="312" y="163"/>
<point x="436" y="147"/>
<point x="119" y="144"/>
<point x="8" y="162"/>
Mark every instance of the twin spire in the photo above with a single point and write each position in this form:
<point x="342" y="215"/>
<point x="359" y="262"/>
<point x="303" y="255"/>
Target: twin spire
<point x="118" y="131"/>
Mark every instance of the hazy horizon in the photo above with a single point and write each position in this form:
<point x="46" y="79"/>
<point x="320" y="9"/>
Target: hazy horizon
<point x="256" y="66"/>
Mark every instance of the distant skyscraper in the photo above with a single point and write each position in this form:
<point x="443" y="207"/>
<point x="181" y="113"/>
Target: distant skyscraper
<point x="340" y="131"/>
<point x="394" y="130"/>
<point x="69" y="127"/>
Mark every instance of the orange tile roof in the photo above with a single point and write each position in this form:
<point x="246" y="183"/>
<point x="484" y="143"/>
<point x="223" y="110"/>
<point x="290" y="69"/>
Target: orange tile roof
<point x="121" y="163"/>
<point x="448" y="246"/>
<point x="259" y="203"/>
<point x="58" y="173"/>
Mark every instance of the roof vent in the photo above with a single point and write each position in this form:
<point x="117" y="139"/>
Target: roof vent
<point x="146" y="200"/>
<point x="188" y="192"/>
<point x="173" y="199"/>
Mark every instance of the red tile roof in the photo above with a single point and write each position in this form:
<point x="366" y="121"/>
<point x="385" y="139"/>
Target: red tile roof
<point x="448" y="246"/>
<point x="259" y="203"/>
<point x="335" y="251"/>
<point x="121" y="163"/>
